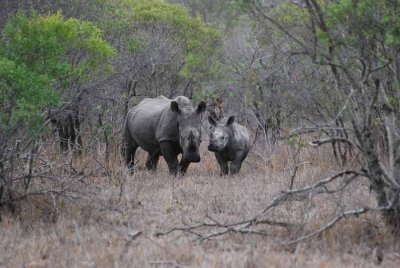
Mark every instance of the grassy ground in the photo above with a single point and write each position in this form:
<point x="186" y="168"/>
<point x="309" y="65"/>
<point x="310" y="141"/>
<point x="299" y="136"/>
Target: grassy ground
<point x="114" y="225"/>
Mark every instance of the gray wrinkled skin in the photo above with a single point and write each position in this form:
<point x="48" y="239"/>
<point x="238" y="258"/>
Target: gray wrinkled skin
<point x="230" y="142"/>
<point x="161" y="126"/>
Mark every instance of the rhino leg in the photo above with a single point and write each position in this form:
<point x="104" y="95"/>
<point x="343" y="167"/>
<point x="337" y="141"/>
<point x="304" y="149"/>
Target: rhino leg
<point x="223" y="164"/>
<point x="131" y="147"/>
<point x="183" y="166"/>
<point x="237" y="163"/>
<point x="235" y="166"/>
<point x="152" y="160"/>
<point x="170" y="153"/>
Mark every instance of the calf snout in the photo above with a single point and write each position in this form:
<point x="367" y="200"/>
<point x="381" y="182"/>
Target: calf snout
<point x="213" y="148"/>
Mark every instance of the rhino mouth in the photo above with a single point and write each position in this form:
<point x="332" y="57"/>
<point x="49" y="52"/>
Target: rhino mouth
<point x="191" y="153"/>
<point x="213" y="148"/>
<point x="193" y="158"/>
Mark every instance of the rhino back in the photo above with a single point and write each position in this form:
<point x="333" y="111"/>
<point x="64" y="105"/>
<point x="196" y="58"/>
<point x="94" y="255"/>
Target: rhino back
<point x="240" y="139"/>
<point x="143" y="121"/>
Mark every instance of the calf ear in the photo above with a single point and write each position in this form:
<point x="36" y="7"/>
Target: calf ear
<point x="201" y="107"/>
<point x="212" y="121"/>
<point x="230" y="120"/>
<point x="175" y="107"/>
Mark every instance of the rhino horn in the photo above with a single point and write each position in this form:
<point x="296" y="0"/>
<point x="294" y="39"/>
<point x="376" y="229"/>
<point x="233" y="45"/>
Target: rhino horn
<point x="191" y="136"/>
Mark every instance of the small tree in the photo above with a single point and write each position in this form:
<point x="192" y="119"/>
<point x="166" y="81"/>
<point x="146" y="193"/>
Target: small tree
<point x="161" y="47"/>
<point x="38" y="67"/>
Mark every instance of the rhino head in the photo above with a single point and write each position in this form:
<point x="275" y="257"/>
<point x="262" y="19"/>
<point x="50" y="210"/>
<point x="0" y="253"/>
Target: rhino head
<point x="189" y="121"/>
<point x="219" y="136"/>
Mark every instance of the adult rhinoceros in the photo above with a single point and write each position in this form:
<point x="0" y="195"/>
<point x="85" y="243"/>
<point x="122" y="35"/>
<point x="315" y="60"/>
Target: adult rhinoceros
<point x="161" y="126"/>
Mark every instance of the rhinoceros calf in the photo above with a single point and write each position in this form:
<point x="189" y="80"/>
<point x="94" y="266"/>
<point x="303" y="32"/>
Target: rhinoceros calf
<point x="230" y="142"/>
<point x="161" y="126"/>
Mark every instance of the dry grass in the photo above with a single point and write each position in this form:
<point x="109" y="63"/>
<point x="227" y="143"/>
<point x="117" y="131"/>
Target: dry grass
<point x="116" y="226"/>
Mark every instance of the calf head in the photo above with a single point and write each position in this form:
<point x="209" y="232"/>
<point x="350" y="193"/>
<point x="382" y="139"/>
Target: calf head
<point x="219" y="136"/>
<point x="189" y="120"/>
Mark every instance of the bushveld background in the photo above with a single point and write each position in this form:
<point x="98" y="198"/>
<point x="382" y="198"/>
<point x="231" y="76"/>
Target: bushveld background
<point x="316" y="81"/>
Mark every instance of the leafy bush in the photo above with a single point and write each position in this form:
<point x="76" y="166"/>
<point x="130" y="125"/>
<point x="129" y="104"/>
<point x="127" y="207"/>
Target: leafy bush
<point x="41" y="57"/>
<point x="37" y="63"/>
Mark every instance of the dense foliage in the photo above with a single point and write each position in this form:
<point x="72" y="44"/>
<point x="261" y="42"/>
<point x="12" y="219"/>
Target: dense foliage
<point x="182" y="50"/>
<point x="37" y="64"/>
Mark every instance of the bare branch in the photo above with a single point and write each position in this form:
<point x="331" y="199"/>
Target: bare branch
<point x="247" y="226"/>
<point x="256" y="9"/>
<point x="345" y="214"/>
<point x="295" y="172"/>
<point x="333" y="139"/>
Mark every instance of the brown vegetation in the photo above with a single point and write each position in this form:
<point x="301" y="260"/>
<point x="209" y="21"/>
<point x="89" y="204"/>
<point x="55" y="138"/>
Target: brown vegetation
<point x="108" y="218"/>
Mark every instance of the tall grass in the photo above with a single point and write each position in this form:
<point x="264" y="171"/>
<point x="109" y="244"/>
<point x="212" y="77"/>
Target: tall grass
<point x="109" y="218"/>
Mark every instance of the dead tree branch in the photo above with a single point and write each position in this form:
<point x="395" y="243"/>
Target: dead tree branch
<point x="213" y="228"/>
<point x="343" y="215"/>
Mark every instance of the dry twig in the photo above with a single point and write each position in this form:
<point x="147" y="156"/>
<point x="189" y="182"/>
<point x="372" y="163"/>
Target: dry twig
<point x="250" y="226"/>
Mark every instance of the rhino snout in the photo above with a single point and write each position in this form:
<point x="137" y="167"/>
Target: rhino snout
<point x="212" y="148"/>
<point x="193" y="158"/>
<point x="192" y="149"/>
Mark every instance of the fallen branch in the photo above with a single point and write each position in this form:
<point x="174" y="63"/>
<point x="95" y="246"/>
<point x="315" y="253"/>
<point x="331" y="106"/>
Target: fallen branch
<point x="290" y="193"/>
<point x="248" y="226"/>
<point x="343" y="215"/>
<point x="320" y="142"/>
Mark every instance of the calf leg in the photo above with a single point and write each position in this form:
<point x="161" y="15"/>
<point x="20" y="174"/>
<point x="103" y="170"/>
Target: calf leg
<point x="223" y="164"/>
<point x="237" y="162"/>
<point x="152" y="160"/>
<point x="170" y="153"/>
<point x="235" y="166"/>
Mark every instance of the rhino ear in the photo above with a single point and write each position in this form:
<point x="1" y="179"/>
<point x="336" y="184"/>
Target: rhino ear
<point x="230" y="120"/>
<point x="175" y="107"/>
<point x="201" y="108"/>
<point x="212" y="121"/>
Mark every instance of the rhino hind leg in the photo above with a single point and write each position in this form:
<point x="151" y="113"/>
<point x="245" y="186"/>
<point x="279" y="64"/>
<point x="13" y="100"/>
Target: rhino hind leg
<point x="130" y="150"/>
<point x="152" y="160"/>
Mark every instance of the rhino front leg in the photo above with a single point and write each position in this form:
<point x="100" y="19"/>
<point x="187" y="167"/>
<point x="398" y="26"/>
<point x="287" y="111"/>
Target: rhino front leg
<point x="152" y="160"/>
<point x="170" y="154"/>
<point x="183" y="166"/>
<point x="223" y="164"/>
<point x="235" y="166"/>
